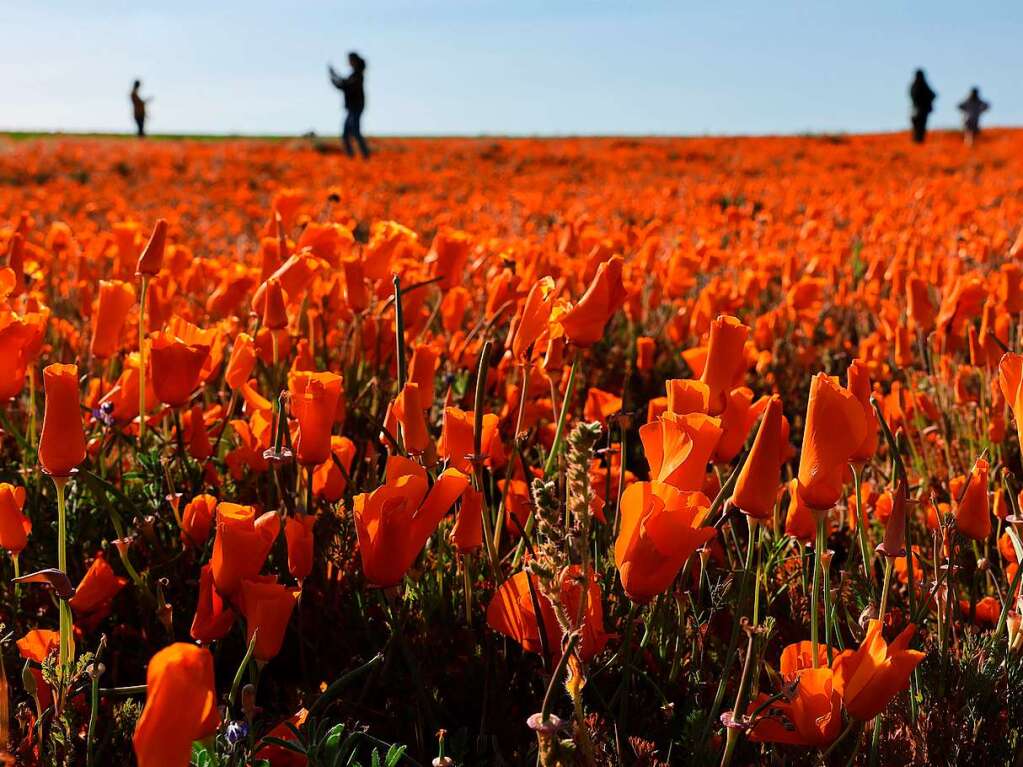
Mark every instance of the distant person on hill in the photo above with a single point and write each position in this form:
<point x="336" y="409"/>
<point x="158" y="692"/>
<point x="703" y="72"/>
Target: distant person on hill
<point x="922" y="96"/>
<point x="355" y="102"/>
<point x="138" y="108"/>
<point x="972" y="109"/>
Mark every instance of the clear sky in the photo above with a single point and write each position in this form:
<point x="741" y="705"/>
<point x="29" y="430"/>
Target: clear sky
<point x="511" y="67"/>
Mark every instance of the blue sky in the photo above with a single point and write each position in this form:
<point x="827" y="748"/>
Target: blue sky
<point x="522" y="67"/>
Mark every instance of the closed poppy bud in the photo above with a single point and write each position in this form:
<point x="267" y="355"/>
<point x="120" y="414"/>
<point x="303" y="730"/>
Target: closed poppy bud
<point x="835" y="428"/>
<point x="394" y="521"/>
<point x="645" y="348"/>
<point x="199" y="445"/>
<point x="536" y="314"/>
<point x="116" y="299"/>
<point x="181" y="706"/>
<point x="314" y="398"/>
<point x="14" y="526"/>
<point x="355" y="286"/>
<point x="213" y="618"/>
<point x="242" y="361"/>
<point x="799" y="521"/>
<point x="467" y="533"/>
<point x="175" y="367"/>
<point x="870" y="676"/>
<point x="973" y="507"/>
<point x="275" y="316"/>
<point x="859" y="384"/>
<point x="197" y="520"/>
<point x="241" y="545"/>
<point x="62" y="442"/>
<point x="298" y="532"/>
<point x="894" y="543"/>
<point x="267" y="606"/>
<point x="584" y="323"/>
<point x="756" y="488"/>
<point x="410" y="412"/>
<point x="726" y="360"/>
<point x="423" y="368"/>
<point x="661" y="527"/>
<point x="152" y="256"/>
<point x="16" y="262"/>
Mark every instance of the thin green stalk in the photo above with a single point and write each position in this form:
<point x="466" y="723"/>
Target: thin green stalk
<point x="861" y="526"/>
<point x="885" y="589"/>
<point x="60" y="483"/>
<point x="815" y="589"/>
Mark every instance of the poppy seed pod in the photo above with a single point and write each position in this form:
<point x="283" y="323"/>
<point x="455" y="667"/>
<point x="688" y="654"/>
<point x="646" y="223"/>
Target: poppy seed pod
<point x="62" y="442"/>
<point x="151" y="260"/>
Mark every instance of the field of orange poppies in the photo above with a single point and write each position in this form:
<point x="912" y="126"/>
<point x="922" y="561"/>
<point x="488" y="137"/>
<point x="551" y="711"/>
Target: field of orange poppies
<point x="511" y="452"/>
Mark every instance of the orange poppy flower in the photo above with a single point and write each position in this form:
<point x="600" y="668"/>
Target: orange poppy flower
<point x="62" y="442"/>
<point x="678" y="448"/>
<point x="241" y="362"/>
<point x="314" y="399"/>
<point x="298" y="532"/>
<point x="394" y="521"/>
<point x="835" y="429"/>
<point x="687" y="395"/>
<point x="726" y="360"/>
<point x="812" y="717"/>
<point x="181" y="706"/>
<point x="116" y="299"/>
<point x="267" y="606"/>
<point x="660" y="529"/>
<point x="467" y="532"/>
<point x="756" y="488"/>
<point x="645" y="349"/>
<point x="858" y="382"/>
<point x="14" y="526"/>
<point x="213" y="618"/>
<point x="151" y="259"/>
<point x="973" y="504"/>
<point x="241" y="544"/>
<point x="175" y="367"/>
<point x="329" y="481"/>
<point x="409" y="410"/>
<point x="275" y="315"/>
<point x="197" y="519"/>
<point x="96" y="591"/>
<point x="457" y="439"/>
<point x="532" y="322"/>
<point x="870" y="676"/>
<point x="584" y="323"/>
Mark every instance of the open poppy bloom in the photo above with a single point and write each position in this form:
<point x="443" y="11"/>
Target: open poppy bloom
<point x="197" y="520"/>
<point x="512" y="612"/>
<point x="394" y="522"/>
<point x="457" y="439"/>
<point x="314" y="399"/>
<point x="329" y="481"/>
<point x="241" y="545"/>
<point x="660" y="529"/>
<point x="678" y="448"/>
<point x="62" y="442"/>
<point x="584" y="323"/>
<point x="175" y="367"/>
<point x="835" y="429"/>
<point x="870" y="676"/>
<point x="813" y="716"/>
<point x="93" y="597"/>
<point x="532" y="323"/>
<point x="181" y="706"/>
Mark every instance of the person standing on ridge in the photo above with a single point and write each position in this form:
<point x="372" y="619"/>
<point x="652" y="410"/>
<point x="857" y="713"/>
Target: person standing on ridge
<point x="972" y="109"/>
<point x="355" y="102"/>
<point x="138" y="108"/>
<point x="922" y="96"/>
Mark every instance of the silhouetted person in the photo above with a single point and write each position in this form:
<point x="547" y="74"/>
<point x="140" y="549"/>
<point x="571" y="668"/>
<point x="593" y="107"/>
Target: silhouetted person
<point x="922" y="96"/>
<point x="972" y="109"/>
<point x="138" y="108"/>
<point x="355" y="102"/>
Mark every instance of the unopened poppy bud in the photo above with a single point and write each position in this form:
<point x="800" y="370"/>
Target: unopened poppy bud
<point x="275" y="316"/>
<point x="152" y="256"/>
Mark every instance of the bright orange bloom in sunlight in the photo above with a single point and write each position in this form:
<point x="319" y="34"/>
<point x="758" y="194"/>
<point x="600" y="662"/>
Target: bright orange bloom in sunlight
<point x="457" y="439"/>
<point x="756" y="488"/>
<point x="660" y="530"/>
<point x="181" y="706"/>
<point x="835" y="429"/>
<point x="870" y="676"/>
<point x="678" y="448"/>
<point x="95" y="592"/>
<point x="532" y="323"/>
<point x="213" y="618"/>
<point x="314" y="399"/>
<point x="859" y="384"/>
<point x="275" y="315"/>
<point x="197" y="519"/>
<point x="584" y="323"/>
<point x="175" y="367"/>
<point x="813" y="716"/>
<point x="151" y="260"/>
<point x="242" y="361"/>
<point x="394" y="522"/>
<point x="14" y="526"/>
<point x="62" y="442"/>
<point x="241" y="544"/>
